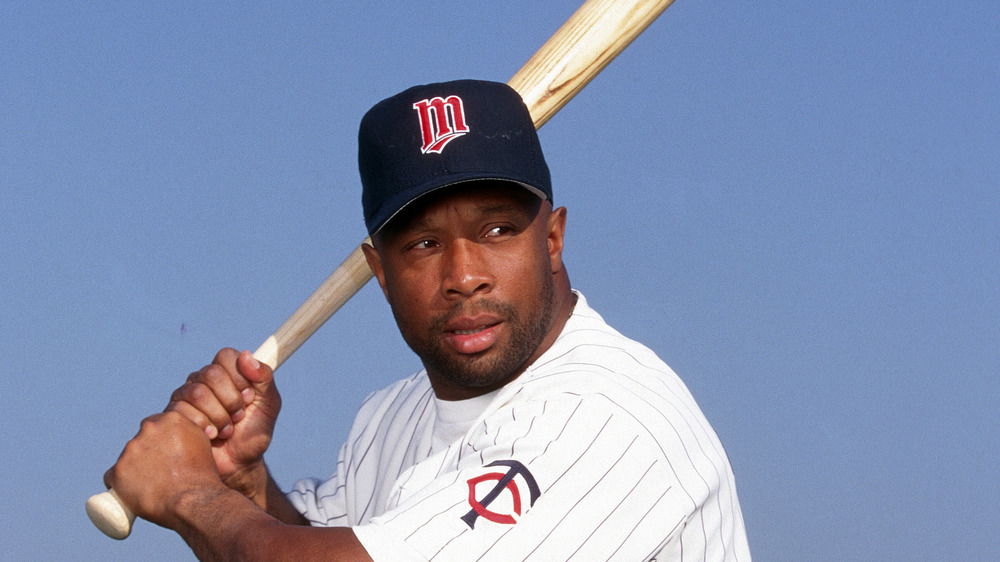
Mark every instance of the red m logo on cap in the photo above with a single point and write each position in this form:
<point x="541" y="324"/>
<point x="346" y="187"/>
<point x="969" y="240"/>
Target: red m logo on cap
<point x="441" y="121"/>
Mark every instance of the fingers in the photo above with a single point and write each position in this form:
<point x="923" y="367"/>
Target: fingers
<point x="217" y="426"/>
<point x="215" y="397"/>
<point x="168" y="455"/>
<point x="258" y="374"/>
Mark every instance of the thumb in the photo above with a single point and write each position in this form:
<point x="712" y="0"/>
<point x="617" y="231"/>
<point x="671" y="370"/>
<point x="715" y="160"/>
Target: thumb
<point x="260" y="375"/>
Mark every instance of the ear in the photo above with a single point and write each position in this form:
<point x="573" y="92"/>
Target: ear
<point x="556" y="231"/>
<point x="375" y="264"/>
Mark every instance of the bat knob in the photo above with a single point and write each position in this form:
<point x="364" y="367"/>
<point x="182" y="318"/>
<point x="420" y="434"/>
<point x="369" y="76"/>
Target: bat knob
<point x="110" y="515"/>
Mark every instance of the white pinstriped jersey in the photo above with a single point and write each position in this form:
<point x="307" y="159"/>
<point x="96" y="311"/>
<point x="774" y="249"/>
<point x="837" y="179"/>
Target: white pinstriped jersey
<point x="596" y="452"/>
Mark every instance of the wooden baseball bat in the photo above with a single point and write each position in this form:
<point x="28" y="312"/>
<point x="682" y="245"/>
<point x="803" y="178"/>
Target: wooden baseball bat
<point x="590" y="39"/>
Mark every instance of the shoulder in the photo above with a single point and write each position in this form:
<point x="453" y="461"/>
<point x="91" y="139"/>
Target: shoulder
<point x="383" y="407"/>
<point x="588" y="336"/>
<point x="412" y="387"/>
<point x="593" y="374"/>
<point x="592" y="358"/>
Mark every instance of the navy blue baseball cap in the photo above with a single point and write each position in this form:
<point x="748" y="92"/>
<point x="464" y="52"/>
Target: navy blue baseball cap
<point x="438" y="135"/>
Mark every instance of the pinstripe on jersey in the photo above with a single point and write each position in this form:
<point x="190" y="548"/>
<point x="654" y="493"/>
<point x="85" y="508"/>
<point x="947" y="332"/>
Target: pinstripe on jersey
<point x="627" y="466"/>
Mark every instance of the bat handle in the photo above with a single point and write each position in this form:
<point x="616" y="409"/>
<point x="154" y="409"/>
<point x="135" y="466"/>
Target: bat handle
<point x="106" y="509"/>
<point x="110" y="515"/>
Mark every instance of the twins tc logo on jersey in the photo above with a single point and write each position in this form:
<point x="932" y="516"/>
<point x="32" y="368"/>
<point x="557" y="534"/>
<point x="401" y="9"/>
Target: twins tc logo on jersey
<point x="501" y="502"/>
<point x="442" y="120"/>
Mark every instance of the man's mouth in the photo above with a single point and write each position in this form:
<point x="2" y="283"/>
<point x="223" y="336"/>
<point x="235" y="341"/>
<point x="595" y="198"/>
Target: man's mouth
<point x="473" y="335"/>
<point x="468" y="332"/>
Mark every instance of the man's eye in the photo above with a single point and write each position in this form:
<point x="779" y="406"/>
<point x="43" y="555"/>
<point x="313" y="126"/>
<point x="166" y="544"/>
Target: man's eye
<point x="423" y="245"/>
<point x="498" y="231"/>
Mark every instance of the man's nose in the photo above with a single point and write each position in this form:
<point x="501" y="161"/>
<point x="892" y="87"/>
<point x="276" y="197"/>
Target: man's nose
<point x="465" y="271"/>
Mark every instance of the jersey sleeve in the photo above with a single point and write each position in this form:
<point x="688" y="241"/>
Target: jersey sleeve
<point x="353" y="491"/>
<point x="322" y="502"/>
<point x="325" y="503"/>
<point x="552" y="479"/>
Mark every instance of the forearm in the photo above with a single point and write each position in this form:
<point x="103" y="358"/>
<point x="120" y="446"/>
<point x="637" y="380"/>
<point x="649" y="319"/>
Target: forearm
<point x="278" y="506"/>
<point x="257" y="485"/>
<point x="221" y="524"/>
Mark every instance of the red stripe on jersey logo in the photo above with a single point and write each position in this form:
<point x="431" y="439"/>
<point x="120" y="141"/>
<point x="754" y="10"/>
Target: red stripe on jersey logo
<point x="508" y="482"/>
<point x="442" y="120"/>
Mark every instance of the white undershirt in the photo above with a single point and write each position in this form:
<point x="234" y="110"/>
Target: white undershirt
<point x="455" y="417"/>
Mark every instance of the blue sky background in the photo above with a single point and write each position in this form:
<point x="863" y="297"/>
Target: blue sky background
<point x="794" y="203"/>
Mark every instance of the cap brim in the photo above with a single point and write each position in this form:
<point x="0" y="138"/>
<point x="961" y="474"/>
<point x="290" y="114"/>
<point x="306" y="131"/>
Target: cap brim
<point x="411" y="195"/>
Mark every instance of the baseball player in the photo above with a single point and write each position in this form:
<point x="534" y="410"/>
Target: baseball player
<point x="535" y="431"/>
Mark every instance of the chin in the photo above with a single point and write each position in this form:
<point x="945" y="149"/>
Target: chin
<point x="477" y="372"/>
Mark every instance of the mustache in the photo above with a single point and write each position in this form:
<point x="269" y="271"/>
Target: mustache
<point x="500" y="309"/>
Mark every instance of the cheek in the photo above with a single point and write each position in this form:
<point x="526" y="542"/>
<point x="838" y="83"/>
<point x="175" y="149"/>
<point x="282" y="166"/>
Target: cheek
<point x="406" y="312"/>
<point x="409" y="289"/>
<point x="523" y="271"/>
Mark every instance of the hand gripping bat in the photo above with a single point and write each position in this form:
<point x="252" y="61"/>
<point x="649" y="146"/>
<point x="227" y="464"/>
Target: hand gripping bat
<point x="590" y="39"/>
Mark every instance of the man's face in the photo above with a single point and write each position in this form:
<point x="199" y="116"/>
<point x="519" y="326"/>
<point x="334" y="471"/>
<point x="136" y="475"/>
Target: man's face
<point x="468" y="273"/>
